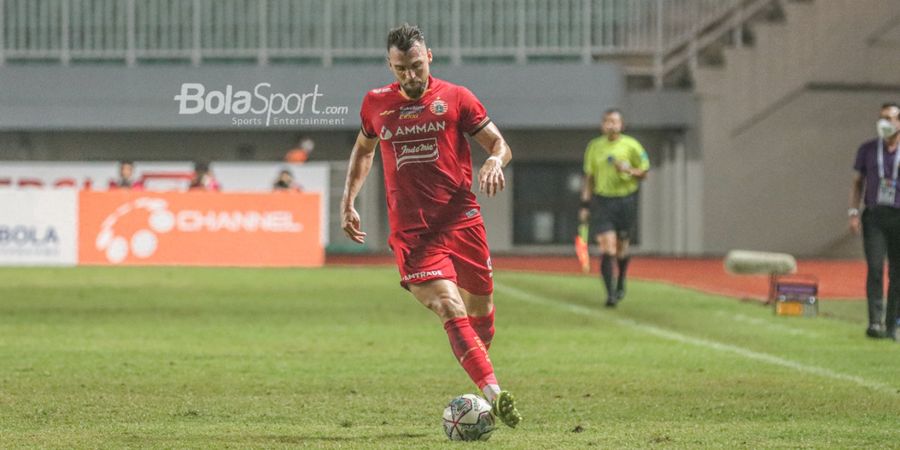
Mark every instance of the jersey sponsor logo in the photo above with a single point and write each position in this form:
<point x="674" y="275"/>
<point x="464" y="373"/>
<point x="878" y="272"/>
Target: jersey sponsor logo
<point x="411" y="111"/>
<point x="385" y="133"/>
<point x="438" y="107"/>
<point x="425" y="274"/>
<point x="427" y="127"/>
<point x="415" y="151"/>
<point x="387" y="111"/>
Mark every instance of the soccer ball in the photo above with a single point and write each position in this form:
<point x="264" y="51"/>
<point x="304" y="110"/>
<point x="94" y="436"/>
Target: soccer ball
<point x="468" y="418"/>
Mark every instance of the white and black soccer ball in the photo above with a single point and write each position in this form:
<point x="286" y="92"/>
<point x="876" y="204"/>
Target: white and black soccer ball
<point x="468" y="418"/>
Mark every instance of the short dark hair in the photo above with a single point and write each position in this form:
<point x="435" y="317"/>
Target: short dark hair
<point x="613" y="111"/>
<point x="890" y="105"/>
<point x="404" y="37"/>
<point x="126" y="162"/>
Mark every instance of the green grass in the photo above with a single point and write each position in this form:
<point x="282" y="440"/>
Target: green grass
<point x="344" y="358"/>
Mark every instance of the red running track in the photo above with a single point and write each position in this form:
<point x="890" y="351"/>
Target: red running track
<point x="838" y="279"/>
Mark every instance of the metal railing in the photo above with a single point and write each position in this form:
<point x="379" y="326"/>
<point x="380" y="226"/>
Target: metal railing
<point x="133" y="31"/>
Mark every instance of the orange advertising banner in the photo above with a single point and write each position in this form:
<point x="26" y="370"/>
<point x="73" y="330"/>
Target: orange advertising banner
<point x="199" y="229"/>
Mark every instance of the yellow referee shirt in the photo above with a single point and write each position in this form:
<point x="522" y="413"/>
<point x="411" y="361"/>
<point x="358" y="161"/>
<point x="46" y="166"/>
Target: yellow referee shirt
<point x="599" y="162"/>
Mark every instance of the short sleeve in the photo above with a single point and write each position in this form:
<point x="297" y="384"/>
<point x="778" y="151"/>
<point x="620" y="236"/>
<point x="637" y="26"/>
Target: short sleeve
<point x="588" y="167"/>
<point x="472" y="115"/>
<point x="642" y="160"/>
<point x="860" y="164"/>
<point x="365" y="119"/>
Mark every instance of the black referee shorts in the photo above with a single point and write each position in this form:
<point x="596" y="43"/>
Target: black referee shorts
<point x="617" y="214"/>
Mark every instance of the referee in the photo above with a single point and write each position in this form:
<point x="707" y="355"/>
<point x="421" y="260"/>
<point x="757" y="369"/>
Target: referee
<point x="614" y="165"/>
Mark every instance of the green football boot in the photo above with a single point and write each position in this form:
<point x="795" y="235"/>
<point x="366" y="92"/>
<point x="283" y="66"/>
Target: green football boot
<point x="504" y="407"/>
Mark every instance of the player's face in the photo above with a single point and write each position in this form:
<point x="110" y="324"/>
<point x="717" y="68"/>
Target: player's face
<point x="411" y="68"/>
<point x="612" y="124"/>
<point x="126" y="170"/>
<point x="892" y="114"/>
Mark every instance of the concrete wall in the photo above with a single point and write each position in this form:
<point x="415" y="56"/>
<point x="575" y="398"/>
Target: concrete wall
<point x="143" y="98"/>
<point x="780" y="124"/>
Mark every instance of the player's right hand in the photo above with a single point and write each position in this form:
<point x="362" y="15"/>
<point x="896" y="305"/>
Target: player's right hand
<point x="583" y="215"/>
<point x="854" y="224"/>
<point x="350" y="224"/>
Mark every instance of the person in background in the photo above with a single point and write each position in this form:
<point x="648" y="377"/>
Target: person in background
<point x="300" y="153"/>
<point x="285" y="182"/>
<point x="203" y="178"/>
<point x="126" y="178"/>
<point x="614" y="166"/>
<point x="875" y="185"/>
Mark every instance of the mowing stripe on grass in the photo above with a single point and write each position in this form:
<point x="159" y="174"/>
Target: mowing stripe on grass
<point x="699" y="342"/>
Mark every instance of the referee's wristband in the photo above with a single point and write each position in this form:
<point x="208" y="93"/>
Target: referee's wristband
<point x="853" y="212"/>
<point x="585" y="203"/>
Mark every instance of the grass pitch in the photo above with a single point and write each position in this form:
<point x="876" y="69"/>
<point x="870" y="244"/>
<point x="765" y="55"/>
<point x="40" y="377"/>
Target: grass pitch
<point x="344" y="358"/>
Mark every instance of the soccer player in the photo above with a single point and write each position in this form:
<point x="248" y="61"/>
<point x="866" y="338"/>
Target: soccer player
<point x="614" y="165"/>
<point x="437" y="234"/>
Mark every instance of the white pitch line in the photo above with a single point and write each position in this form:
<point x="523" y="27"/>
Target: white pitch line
<point x="699" y="342"/>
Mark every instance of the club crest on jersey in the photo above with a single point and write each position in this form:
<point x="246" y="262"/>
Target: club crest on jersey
<point x="411" y="111"/>
<point x="438" y="107"/>
<point x="385" y="133"/>
<point x="415" y="151"/>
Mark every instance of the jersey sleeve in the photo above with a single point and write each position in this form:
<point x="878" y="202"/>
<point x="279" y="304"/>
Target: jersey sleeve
<point x="472" y="115"/>
<point x="365" y="118"/>
<point x="588" y="166"/>
<point x="860" y="164"/>
<point x="639" y="158"/>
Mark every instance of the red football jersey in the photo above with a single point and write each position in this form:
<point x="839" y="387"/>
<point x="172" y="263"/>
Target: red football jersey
<point x="426" y="158"/>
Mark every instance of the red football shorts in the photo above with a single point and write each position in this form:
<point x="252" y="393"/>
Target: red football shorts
<point x="461" y="256"/>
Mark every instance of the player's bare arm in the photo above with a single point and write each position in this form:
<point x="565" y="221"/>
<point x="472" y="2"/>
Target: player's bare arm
<point x="637" y="173"/>
<point x="584" y="212"/>
<point x="490" y="177"/>
<point x="634" y="172"/>
<point x="360" y="164"/>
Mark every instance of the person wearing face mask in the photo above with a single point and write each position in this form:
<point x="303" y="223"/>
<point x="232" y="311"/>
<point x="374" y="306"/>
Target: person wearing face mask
<point x="876" y="185"/>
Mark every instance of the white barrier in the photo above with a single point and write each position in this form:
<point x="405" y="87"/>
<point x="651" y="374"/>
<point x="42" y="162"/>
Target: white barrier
<point x="39" y="227"/>
<point x="232" y="176"/>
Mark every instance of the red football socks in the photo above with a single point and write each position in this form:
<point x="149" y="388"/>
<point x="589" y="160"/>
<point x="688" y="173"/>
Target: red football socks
<point x="484" y="326"/>
<point x="470" y="351"/>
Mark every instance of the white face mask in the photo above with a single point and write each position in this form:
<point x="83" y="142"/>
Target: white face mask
<point x="885" y="128"/>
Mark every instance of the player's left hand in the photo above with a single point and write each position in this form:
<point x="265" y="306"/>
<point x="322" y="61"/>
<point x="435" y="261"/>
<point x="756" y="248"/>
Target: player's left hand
<point x="490" y="177"/>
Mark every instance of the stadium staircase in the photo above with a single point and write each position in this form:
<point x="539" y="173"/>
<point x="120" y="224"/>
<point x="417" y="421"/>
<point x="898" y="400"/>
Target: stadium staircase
<point x="798" y="45"/>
